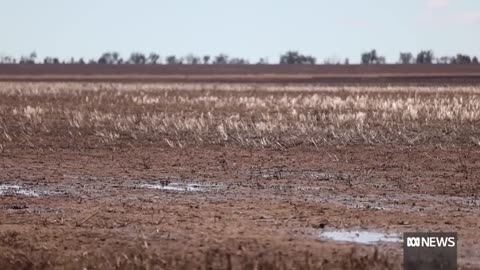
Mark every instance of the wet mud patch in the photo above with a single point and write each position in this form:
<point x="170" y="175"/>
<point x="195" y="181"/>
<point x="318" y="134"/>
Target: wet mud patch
<point x="184" y="187"/>
<point x="31" y="209"/>
<point x="280" y="172"/>
<point x="361" y="236"/>
<point x="88" y="177"/>
<point x="17" y="190"/>
<point x="404" y="202"/>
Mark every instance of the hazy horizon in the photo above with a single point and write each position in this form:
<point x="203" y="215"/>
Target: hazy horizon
<point x="248" y="29"/>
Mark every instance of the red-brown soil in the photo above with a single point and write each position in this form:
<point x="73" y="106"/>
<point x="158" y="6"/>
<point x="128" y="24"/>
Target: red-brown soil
<point x="98" y="216"/>
<point x="80" y="193"/>
<point x="451" y="74"/>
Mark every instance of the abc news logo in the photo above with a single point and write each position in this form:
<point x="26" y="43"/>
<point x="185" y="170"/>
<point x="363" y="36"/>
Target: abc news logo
<point x="430" y="251"/>
<point x="431" y="242"/>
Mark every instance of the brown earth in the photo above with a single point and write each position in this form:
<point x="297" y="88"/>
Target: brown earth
<point x="338" y="74"/>
<point x="97" y="215"/>
<point x="252" y="206"/>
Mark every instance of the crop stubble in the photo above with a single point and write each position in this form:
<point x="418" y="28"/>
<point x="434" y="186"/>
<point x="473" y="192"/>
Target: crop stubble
<point x="289" y="160"/>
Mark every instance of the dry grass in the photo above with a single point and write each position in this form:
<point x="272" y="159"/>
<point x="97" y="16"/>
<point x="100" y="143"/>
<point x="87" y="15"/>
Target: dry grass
<point x="42" y="115"/>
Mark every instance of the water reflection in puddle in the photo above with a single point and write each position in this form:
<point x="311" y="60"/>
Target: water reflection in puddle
<point x="361" y="237"/>
<point x="17" y="190"/>
<point x="181" y="187"/>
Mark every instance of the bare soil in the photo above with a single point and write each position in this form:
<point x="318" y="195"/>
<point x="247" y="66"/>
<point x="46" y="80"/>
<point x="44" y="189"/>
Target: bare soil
<point x="268" y="210"/>
<point x="332" y="74"/>
<point x="82" y="204"/>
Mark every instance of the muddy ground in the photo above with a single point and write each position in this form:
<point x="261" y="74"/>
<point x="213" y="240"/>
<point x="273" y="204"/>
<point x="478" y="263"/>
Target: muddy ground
<point x="144" y="204"/>
<point x="97" y="209"/>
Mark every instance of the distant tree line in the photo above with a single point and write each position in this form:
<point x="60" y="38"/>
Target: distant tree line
<point x="423" y="57"/>
<point x="289" y="58"/>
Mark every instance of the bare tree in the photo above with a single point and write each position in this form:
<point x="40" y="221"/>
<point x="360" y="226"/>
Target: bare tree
<point x="153" y="58"/>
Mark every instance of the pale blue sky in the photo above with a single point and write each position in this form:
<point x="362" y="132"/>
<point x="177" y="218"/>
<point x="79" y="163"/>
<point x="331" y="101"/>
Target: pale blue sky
<point x="244" y="28"/>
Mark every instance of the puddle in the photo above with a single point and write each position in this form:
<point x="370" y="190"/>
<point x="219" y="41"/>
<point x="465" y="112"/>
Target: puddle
<point x="181" y="187"/>
<point x="284" y="173"/>
<point x="18" y="190"/>
<point x="361" y="237"/>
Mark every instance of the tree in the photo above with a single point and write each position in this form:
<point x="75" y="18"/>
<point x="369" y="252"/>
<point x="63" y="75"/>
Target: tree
<point x="293" y="57"/>
<point x="263" y="61"/>
<point x="137" y="58"/>
<point x="366" y="58"/>
<point x="425" y="57"/>
<point x="406" y="58"/>
<point x="463" y="59"/>
<point x="6" y="60"/>
<point x="221" y="59"/>
<point x="206" y="59"/>
<point x="153" y="58"/>
<point x="238" y="61"/>
<point x="446" y="60"/>
<point x="28" y="59"/>
<point x="51" y="60"/>
<point x="172" y="60"/>
<point x="475" y="60"/>
<point x="115" y="57"/>
<point x="192" y="59"/>
<point x="104" y="59"/>
<point x="109" y="58"/>
<point x="372" y="58"/>
<point x="290" y="58"/>
<point x="33" y="56"/>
